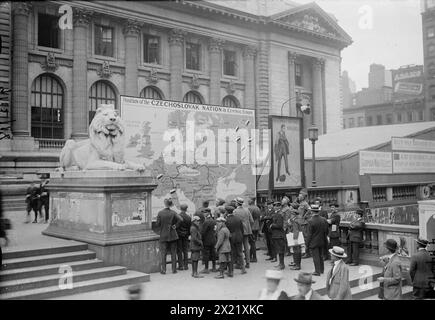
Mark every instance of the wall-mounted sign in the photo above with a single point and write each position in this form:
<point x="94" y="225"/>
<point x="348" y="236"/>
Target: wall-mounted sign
<point x="408" y="88"/>
<point x="375" y="162"/>
<point x="407" y="162"/>
<point x="407" y="144"/>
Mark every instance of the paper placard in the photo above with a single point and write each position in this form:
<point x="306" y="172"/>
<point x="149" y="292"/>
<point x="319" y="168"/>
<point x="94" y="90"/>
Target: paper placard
<point x="291" y="241"/>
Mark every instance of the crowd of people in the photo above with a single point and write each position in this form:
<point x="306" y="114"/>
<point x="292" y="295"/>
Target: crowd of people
<point x="37" y="198"/>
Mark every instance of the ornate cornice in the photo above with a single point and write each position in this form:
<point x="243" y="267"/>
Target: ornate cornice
<point x="215" y="44"/>
<point x="81" y="17"/>
<point x="176" y="36"/>
<point x="249" y="52"/>
<point x="132" y="27"/>
<point x="318" y="62"/>
<point x="21" y="8"/>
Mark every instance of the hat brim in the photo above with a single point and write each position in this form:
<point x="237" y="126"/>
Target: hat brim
<point x="422" y="243"/>
<point x="304" y="282"/>
<point x="338" y="256"/>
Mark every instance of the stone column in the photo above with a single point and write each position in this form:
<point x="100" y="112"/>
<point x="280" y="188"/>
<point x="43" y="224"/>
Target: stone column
<point x="317" y="107"/>
<point x="80" y="113"/>
<point x="176" y="41"/>
<point x="249" y="68"/>
<point x="215" y="49"/>
<point x="292" y="84"/>
<point x="131" y="33"/>
<point x="20" y="70"/>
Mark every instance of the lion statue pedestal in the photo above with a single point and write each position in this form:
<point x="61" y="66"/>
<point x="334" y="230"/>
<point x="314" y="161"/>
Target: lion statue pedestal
<point x="101" y="199"/>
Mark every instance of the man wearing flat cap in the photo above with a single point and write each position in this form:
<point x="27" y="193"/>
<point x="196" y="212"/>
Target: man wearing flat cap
<point x="337" y="280"/>
<point x="247" y="220"/>
<point x="305" y="292"/>
<point x="195" y="245"/>
<point x="421" y="271"/>
<point x="305" y="214"/>
<point x="278" y="235"/>
<point x="223" y="246"/>
<point x="266" y="219"/>
<point x="355" y="237"/>
<point x="235" y="226"/>
<point x="392" y="278"/>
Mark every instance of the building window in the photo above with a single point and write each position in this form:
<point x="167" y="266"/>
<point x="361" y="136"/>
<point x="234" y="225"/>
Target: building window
<point x="369" y="121"/>
<point x="431" y="70"/>
<point x="360" y="121"/>
<point x="399" y="117"/>
<point x="430" y="32"/>
<point x="46" y="102"/>
<point x="409" y="116"/>
<point x="151" y="92"/>
<point x="389" y="118"/>
<point x="104" y="41"/>
<point x="351" y="122"/>
<point x="151" y="49"/>
<point x="229" y="63"/>
<point x="431" y="50"/>
<point x="231" y="102"/>
<point x="298" y="74"/>
<point x="48" y="30"/>
<point x="420" y="115"/>
<point x="379" y="119"/>
<point x="193" y="97"/>
<point x="100" y="93"/>
<point x="193" y="55"/>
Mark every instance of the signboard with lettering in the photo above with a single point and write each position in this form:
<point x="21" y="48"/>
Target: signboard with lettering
<point x="407" y="162"/>
<point x="408" y="144"/>
<point x="375" y="162"/>
<point x="408" y="82"/>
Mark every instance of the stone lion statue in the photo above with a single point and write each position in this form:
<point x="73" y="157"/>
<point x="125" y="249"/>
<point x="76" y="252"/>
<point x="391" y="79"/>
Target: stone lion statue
<point x="104" y="150"/>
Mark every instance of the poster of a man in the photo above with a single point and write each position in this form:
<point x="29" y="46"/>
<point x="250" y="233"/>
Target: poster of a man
<point x="286" y="152"/>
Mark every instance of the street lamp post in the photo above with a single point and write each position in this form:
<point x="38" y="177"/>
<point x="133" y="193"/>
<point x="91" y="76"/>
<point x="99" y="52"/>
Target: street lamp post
<point x="313" y="135"/>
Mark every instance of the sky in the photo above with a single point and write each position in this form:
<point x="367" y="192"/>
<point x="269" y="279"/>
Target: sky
<point x="387" y="32"/>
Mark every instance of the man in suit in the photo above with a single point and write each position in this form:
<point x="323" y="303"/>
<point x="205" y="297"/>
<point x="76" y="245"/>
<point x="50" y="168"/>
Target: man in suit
<point x="316" y="240"/>
<point x="278" y="235"/>
<point x="295" y="229"/>
<point x="334" y="226"/>
<point x="266" y="219"/>
<point x="286" y="212"/>
<point x="337" y="280"/>
<point x="183" y="232"/>
<point x="166" y="224"/>
<point x="235" y="226"/>
<point x="355" y="236"/>
<point x="305" y="292"/>
<point x="247" y="221"/>
<point x="255" y="213"/>
<point x="195" y="245"/>
<point x="420" y="271"/>
<point x="208" y="234"/>
<point x="392" y="278"/>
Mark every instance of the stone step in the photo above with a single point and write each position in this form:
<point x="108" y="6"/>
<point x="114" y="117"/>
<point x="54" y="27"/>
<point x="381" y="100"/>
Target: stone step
<point x="131" y="277"/>
<point x="73" y="247"/>
<point x="23" y="273"/>
<point x="41" y="260"/>
<point x="355" y="283"/>
<point x="406" y="294"/>
<point x="55" y="279"/>
<point x="370" y="289"/>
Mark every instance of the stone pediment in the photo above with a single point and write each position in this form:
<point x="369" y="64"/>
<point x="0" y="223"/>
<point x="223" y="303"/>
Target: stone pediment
<point x="312" y="19"/>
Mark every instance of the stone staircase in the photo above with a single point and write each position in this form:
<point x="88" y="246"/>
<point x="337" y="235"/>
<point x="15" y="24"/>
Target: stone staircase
<point x="41" y="273"/>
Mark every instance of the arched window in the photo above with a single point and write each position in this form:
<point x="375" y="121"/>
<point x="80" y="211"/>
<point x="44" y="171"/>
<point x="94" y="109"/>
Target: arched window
<point x="100" y="93"/>
<point x="151" y="92"/>
<point x="46" y="102"/>
<point x="193" y="97"/>
<point x="231" y="102"/>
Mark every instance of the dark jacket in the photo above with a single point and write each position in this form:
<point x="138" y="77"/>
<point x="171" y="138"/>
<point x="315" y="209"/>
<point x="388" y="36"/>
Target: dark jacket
<point x="356" y="228"/>
<point x="183" y="226"/>
<point x="223" y="244"/>
<point x="335" y="220"/>
<point x="277" y="226"/>
<point x="317" y="231"/>
<point x="235" y="226"/>
<point x="246" y="217"/>
<point x="296" y="226"/>
<point x="167" y="220"/>
<point x="323" y="213"/>
<point x="420" y="269"/>
<point x="255" y="212"/>
<point x="195" y="238"/>
<point x="2" y="228"/>
<point x="207" y="232"/>
<point x="266" y="219"/>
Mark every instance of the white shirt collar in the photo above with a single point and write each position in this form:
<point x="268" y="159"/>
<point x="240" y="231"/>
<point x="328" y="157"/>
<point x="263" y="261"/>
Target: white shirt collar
<point x="309" y="294"/>
<point x="422" y="249"/>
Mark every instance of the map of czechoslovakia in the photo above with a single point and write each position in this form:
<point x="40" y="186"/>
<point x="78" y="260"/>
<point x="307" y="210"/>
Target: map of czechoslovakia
<point x="207" y="177"/>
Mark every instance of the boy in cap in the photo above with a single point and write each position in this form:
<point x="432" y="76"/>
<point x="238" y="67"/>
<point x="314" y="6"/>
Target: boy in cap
<point x="223" y="246"/>
<point x="209" y="241"/>
<point x="195" y="245"/>
<point x="420" y="271"/>
<point x="337" y="280"/>
<point x="271" y="292"/>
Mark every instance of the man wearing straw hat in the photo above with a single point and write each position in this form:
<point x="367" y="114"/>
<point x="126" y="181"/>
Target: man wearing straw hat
<point x="337" y="280"/>
<point x="420" y="271"/>
<point x="305" y="292"/>
<point x="271" y="292"/>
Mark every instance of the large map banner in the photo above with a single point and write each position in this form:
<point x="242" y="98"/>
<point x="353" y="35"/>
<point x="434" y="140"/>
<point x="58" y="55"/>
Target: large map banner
<point x="196" y="152"/>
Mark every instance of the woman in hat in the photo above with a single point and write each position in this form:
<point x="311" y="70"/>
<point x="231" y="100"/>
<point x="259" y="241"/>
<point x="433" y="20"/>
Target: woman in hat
<point x="392" y="279"/>
<point x="337" y="280"/>
<point x="271" y="292"/>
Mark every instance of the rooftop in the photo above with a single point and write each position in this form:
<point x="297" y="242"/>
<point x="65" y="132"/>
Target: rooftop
<point x="348" y="141"/>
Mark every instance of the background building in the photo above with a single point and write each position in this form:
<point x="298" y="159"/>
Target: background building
<point x="428" y="24"/>
<point x="194" y="51"/>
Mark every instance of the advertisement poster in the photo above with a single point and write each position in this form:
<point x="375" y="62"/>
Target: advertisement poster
<point x="196" y="152"/>
<point x="407" y="162"/>
<point x="286" y="145"/>
<point x="408" y="144"/>
<point x="375" y="162"/>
